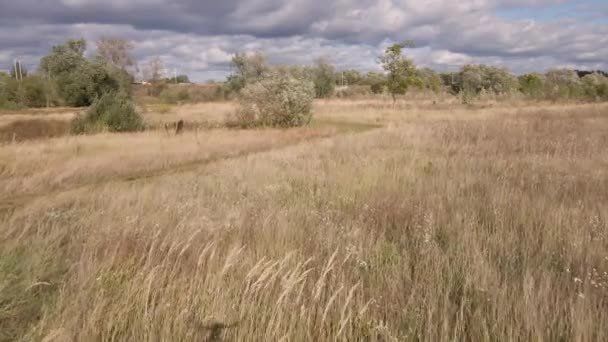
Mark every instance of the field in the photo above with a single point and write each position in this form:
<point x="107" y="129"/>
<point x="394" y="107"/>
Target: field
<point x="432" y="222"/>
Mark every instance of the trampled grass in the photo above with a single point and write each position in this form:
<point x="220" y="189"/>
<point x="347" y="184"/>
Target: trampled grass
<point x="481" y="224"/>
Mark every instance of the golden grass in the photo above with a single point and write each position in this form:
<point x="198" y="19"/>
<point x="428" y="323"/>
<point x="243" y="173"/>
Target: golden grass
<point x="55" y="164"/>
<point x="489" y="225"/>
<point x="203" y="113"/>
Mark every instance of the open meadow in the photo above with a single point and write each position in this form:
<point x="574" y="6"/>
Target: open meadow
<point x="435" y="222"/>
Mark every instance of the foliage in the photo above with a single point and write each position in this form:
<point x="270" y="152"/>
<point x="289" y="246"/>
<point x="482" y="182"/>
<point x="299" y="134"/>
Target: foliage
<point x="475" y="79"/>
<point x="33" y="91"/>
<point x="351" y="77"/>
<point x="179" y="79"/>
<point x="595" y="86"/>
<point x="532" y="85"/>
<point x="323" y="78"/>
<point x="401" y="71"/>
<point x="64" y="58"/>
<point x="116" y="52"/>
<point x="79" y="81"/>
<point x="154" y="73"/>
<point x="376" y="81"/>
<point x="247" y="68"/>
<point x="278" y="99"/>
<point x="430" y="80"/>
<point x="114" y="112"/>
<point x="563" y="84"/>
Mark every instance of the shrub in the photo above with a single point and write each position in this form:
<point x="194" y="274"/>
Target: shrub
<point x="33" y="91"/>
<point x="277" y="100"/>
<point x="595" y="86"/>
<point x="563" y="84"/>
<point x="323" y="78"/>
<point x="377" y="88"/>
<point x="532" y="85"/>
<point x="114" y="112"/>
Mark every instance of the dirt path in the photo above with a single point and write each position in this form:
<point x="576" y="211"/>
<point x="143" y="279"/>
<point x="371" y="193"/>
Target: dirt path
<point x="8" y="205"/>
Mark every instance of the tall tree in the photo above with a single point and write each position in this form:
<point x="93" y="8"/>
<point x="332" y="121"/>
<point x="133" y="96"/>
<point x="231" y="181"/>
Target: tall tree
<point x="352" y="77"/>
<point x="323" y="78"/>
<point x="401" y="70"/>
<point x="430" y="79"/>
<point x="116" y="52"/>
<point x="64" y="58"/>
<point x="247" y="68"/>
<point x="153" y="72"/>
<point x="79" y="81"/>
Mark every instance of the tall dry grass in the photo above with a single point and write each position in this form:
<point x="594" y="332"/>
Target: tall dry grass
<point x="62" y="163"/>
<point x="484" y="227"/>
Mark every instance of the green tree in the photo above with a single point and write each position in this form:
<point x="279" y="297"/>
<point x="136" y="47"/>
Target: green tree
<point x="179" y="79"/>
<point x="79" y="81"/>
<point x="475" y="78"/>
<point x="323" y="78"/>
<point x="532" y="85"/>
<point x="64" y="58"/>
<point x="595" y="86"/>
<point x="247" y="68"/>
<point x="376" y="81"/>
<point x="116" y="52"/>
<point x="430" y="79"/>
<point x="115" y="55"/>
<point x="563" y="84"/>
<point x="401" y="70"/>
<point x="34" y="92"/>
<point x="352" y="77"/>
<point x="154" y="73"/>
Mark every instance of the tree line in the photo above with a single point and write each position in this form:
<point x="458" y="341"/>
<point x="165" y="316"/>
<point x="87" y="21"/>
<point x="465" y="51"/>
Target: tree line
<point x="67" y="77"/>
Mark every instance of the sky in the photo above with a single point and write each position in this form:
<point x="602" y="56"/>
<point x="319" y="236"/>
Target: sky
<point x="198" y="37"/>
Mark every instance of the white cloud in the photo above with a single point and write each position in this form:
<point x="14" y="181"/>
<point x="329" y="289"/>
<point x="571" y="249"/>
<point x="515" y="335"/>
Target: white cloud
<point x="200" y="36"/>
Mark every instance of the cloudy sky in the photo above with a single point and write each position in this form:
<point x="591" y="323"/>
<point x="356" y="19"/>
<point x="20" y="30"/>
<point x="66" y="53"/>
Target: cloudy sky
<point x="197" y="37"/>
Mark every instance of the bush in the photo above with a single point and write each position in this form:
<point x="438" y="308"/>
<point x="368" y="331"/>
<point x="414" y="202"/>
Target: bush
<point x="277" y="100"/>
<point x="323" y="78"/>
<point x="33" y="92"/>
<point x="114" y="112"/>
<point x="595" y="86"/>
<point x="377" y="88"/>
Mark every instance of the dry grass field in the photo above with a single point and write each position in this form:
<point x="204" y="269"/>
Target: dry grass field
<point x="430" y="223"/>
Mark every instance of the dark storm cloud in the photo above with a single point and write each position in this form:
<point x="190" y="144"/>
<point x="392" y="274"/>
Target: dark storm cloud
<point x="199" y="36"/>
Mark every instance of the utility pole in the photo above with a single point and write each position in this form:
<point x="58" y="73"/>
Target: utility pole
<point x="18" y="70"/>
